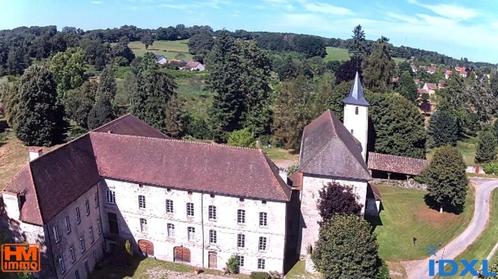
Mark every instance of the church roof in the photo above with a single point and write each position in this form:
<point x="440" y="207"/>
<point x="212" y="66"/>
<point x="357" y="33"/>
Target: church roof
<point x="328" y="149"/>
<point x="128" y="149"/>
<point x="396" y="164"/>
<point x="356" y="95"/>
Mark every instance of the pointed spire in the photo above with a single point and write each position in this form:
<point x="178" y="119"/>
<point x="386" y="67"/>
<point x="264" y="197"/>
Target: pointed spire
<point x="356" y="95"/>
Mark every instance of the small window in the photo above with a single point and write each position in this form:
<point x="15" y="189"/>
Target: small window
<point x="352" y="131"/>
<point x="212" y="195"/>
<point x="141" y="201"/>
<point x="240" y="260"/>
<point x="241" y="199"/>
<point x="262" y="243"/>
<point x="96" y="199"/>
<point x="140" y="186"/>
<point x="55" y="230"/>
<point x="191" y="233"/>
<point x="77" y="274"/>
<point x="72" y="253"/>
<point x="261" y="263"/>
<point x="212" y="212"/>
<point x="143" y="225"/>
<point x="263" y="202"/>
<point x="168" y="189"/>
<point x="62" y="267"/>
<point x="111" y="196"/>
<point x="68" y="224"/>
<point x="99" y="229"/>
<point x="92" y="236"/>
<point x="87" y="207"/>
<point x="78" y="215"/>
<point x="171" y="230"/>
<point x="212" y="236"/>
<point x="263" y="219"/>
<point x="241" y="240"/>
<point x="356" y="110"/>
<point x="169" y="206"/>
<point x="189" y="192"/>
<point x="82" y="244"/>
<point x="241" y="216"/>
<point x="190" y="209"/>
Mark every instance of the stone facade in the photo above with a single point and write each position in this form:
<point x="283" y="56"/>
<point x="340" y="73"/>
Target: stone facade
<point x="309" y="201"/>
<point x="175" y="230"/>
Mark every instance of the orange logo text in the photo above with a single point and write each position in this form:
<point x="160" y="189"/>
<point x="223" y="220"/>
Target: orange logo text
<point x="20" y="258"/>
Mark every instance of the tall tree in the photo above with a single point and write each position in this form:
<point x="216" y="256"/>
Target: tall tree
<point x="9" y="96"/>
<point x="69" y="69"/>
<point x="102" y="112"/>
<point x="407" y="87"/>
<point x="107" y="84"/>
<point x="443" y="129"/>
<point x="446" y="179"/>
<point x="347" y="248"/>
<point x="291" y="112"/>
<point x="200" y="44"/>
<point x="152" y="91"/>
<point x="358" y="45"/>
<point x="378" y="68"/>
<point x="486" y="147"/>
<point x="78" y="102"/>
<point x="397" y="126"/>
<point x="40" y="116"/>
<point x="147" y="40"/>
<point x="335" y="198"/>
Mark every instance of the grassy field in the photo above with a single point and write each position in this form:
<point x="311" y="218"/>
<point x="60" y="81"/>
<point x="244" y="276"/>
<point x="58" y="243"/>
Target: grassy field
<point x="277" y="154"/>
<point x="468" y="149"/>
<point x="170" y="49"/>
<point x="336" y="54"/>
<point x="406" y="215"/>
<point x="13" y="155"/>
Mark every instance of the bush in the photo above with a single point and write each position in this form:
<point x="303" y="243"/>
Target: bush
<point x="243" y="137"/>
<point x="260" y="275"/>
<point x="232" y="265"/>
<point x="491" y="168"/>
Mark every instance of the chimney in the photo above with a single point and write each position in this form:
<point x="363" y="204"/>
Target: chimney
<point x="34" y="152"/>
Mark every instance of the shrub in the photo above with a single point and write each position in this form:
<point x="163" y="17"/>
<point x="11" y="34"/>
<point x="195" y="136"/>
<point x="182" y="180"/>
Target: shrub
<point x="243" y="137"/>
<point x="260" y="275"/>
<point x="232" y="265"/>
<point x="491" y="168"/>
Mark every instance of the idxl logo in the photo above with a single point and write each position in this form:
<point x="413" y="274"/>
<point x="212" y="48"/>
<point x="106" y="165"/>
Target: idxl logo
<point x="447" y="268"/>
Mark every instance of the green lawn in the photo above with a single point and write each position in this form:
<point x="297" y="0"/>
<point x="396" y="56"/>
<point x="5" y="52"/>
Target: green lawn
<point x="405" y="215"/>
<point x="170" y="49"/>
<point x="298" y="272"/>
<point x="467" y="148"/>
<point x="336" y="54"/>
<point x="276" y="154"/>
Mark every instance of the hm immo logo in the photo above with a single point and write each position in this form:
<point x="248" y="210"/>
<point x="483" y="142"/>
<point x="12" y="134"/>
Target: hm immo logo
<point x="20" y="258"/>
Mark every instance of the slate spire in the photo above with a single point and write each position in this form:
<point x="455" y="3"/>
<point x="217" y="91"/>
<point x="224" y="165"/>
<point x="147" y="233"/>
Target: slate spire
<point x="356" y="96"/>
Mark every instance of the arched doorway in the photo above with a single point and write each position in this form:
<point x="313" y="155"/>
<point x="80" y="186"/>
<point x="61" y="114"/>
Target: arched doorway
<point x="146" y="247"/>
<point x="181" y="254"/>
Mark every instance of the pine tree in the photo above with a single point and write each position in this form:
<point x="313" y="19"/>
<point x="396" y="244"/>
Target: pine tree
<point x="174" y="118"/>
<point x="107" y="84"/>
<point x="443" y="129"/>
<point x="359" y="44"/>
<point x="486" y="147"/>
<point x="79" y="102"/>
<point x="40" y="116"/>
<point x="407" y="87"/>
<point x="347" y="248"/>
<point x="100" y="113"/>
<point x="446" y="179"/>
<point x="378" y="68"/>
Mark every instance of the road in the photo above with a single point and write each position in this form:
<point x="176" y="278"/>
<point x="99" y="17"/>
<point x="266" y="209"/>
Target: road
<point x="483" y="188"/>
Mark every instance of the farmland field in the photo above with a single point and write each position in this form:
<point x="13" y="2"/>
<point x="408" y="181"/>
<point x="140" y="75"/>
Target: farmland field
<point x="170" y="49"/>
<point x="337" y="54"/>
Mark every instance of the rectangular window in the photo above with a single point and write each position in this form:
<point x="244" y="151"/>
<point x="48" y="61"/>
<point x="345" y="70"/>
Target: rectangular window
<point x="73" y="255"/>
<point x="263" y="219"/>
<point x="55" y="230"/>
<point x="87" y="207"/>
<point x="241" y="216"/>
<point x="143" y="225"/>
<point x="191" y="233"/>
<point x="141" y="201"/>
<point x="212" y="212"/>
<point x="78" y="215"/>
<point x="113" y="223"/>
<point x="99" y="229"/>
<point x="82" y="244"/>
<point x="240" y="260"/>
<point x="356" y="110"/>
<point x="262" y="243"/>
<point x="68" y="224"/>
<point x="212" y="236"/>
<point x="92" y="236"/>
<point x="169" y="206"/>
<point x="96" y="199"/>
<point x="241" y="240"/>
<point x="171" y="230"/>
<point x="261" y="263"/>
<point x="111" y="197"/>
<point x="62" y="267"/>
<point x="190" y="209"/>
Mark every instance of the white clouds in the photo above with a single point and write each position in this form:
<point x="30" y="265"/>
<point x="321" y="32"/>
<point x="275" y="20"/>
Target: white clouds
<point x="449" y="11"/>
<point x="326" y="8"/>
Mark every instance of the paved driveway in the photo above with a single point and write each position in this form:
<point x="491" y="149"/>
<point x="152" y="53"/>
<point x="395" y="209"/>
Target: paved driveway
<point x="483" y="188"/>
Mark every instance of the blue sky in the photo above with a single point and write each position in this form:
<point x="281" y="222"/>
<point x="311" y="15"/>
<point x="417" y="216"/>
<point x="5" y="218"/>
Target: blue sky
<point x="457" y="28"/>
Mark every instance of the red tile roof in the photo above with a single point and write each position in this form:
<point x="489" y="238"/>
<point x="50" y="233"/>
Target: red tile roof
<point x="395" y="164"/>
<point x="54" y="180"/>
<point x="130" y="125"/>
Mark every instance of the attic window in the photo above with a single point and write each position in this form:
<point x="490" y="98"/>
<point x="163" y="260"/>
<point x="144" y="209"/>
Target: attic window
<point x="241" y="199"/>
<point x="212" y="195"/>
<point x="263" y="202"/>
<point x="189" y="192"/>
<point x="168" y="189"/>
<point x="140" y="185"/>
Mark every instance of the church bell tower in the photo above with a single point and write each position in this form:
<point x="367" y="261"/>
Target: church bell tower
<point x="356" y="114"/>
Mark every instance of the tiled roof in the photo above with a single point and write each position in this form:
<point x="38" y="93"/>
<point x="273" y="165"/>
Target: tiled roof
<point x="328" y="149"/>
<point x="54" y="180"/>
<point x="395" y="164"/>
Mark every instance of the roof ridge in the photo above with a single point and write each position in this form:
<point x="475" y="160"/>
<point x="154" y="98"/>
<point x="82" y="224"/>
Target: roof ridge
<point x="111" y="122"/>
